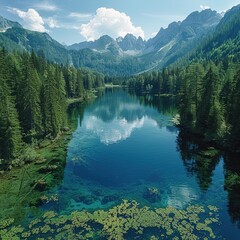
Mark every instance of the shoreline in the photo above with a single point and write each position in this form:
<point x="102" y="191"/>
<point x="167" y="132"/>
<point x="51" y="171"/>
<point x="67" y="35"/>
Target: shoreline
<point x="24" y="186"/>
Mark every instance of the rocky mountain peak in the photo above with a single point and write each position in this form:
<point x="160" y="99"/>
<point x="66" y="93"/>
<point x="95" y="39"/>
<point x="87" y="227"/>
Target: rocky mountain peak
<point x="6" y="24"/>
<point x="131" y="42"/>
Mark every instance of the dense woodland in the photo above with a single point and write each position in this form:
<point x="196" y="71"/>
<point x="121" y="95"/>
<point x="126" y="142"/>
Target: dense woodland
<point x="33" y="97"/>
<point x="208" y="97"/>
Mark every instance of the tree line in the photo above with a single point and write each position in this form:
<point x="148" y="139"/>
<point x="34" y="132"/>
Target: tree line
<point x="33" y="94"/>
<point x="208" y="97"/>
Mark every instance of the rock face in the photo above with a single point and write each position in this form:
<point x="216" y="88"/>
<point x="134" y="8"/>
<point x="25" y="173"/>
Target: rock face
<point x="106" y="43"/>
<point x="194" y="26"/>
<point x="6" y="24"/>
<point x="152" y="194"/>
<point x="180" y="38"/>
<point x="131" y="43"/>
<point x="103" y="44"/>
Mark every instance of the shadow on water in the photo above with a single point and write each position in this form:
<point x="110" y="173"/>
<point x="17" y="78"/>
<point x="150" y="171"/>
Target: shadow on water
<point x="232" y="185"/>
<point x="200" y="160"/>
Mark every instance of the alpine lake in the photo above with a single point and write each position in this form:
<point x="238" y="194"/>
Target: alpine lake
<point x="131" y="174"/>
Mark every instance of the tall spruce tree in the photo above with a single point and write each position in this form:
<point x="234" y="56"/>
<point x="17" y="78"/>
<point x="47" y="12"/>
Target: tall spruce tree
<point x="209" y="111"/>
<point x="28" y="99"/>
<point x="10" y="132"/>
<point x="53" y="101"/>
<point x="234" y="116"/>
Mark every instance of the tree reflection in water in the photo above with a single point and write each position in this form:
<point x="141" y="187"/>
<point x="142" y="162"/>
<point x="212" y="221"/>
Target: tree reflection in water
<point x="200" y="161"/>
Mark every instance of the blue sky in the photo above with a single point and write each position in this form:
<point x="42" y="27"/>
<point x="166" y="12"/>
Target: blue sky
<point x="72" y="21"/>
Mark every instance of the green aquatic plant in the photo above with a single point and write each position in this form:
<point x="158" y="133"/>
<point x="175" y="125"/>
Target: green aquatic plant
<point x="232" y="180"/>
<point x="194" y="222"/>
<point x="12" y="233"/>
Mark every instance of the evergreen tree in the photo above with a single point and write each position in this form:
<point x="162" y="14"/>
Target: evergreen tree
<point x="234" y="119"/>
<point x="53" y="102"/>
<point x="10" y="133"/>
<point x="28" y="99"/>
<point x="79" y="84"/>
<point x="209" y="112"/>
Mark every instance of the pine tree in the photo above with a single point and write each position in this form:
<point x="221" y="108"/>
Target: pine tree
<point x="53" y="102"/>
<point x="234" y="118"/>
<point x="10" y="133"/>
<point x="79" y="84"/>
<point x="209" y="112"/>
<point x="28" y="100"/>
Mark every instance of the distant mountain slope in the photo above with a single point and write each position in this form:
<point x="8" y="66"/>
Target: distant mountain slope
<point x="108" y="62"/>
<point x="180" y="37"/>
<point x="224" y="41"/>
<point x="29" y="40"/>
<point x="100" y="44"/>
<point x="120" y="46"/>
<point x="131" y="43"/>
<point x="6" y="24"/>
<point x="169" y="44"/>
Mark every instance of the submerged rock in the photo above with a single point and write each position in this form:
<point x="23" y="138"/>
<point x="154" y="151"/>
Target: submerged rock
<point x="110" y="198"/>
<point x="97" y="192"/>
<point x="152" y="194"/>
<point x="86" y="199"/>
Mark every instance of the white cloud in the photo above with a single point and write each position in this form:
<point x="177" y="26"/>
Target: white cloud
<point x="46" y="6"/>
<point x="79" y="15"/>
<point x="51" y="22"/>
<point x="204" y="7"/>
<point x="32" y="20"/>
<point x="111" y="22"/>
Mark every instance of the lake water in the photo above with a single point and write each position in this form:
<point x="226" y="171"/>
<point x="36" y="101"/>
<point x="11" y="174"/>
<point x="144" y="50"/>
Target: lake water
<point x="124" y="145"/>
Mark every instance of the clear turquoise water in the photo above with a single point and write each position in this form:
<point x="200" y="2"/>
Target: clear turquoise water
<point x="123" y="145"/>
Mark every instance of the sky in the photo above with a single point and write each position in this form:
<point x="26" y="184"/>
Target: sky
<point x="74" y="21"/>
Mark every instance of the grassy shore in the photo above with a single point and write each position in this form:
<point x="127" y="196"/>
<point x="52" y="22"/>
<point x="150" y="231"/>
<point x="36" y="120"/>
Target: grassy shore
<point x="23" y="187"/>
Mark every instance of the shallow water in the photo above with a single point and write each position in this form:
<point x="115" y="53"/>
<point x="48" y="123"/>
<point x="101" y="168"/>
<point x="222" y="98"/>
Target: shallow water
<point x="123" y="146"/>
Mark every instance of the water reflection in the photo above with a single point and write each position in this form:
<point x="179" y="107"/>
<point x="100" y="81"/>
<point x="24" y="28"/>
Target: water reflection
<point x="125" y="144"/>
<point x="120" y="129"/>
<point x="232" y="185"/>
<point x="198" y="158"/>
<point x="114" y="119"/>
<point x="181" y="196"/>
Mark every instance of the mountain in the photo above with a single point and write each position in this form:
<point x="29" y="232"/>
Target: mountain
<point x="201" y="34"/>
<point x="170" y="44"/>
<point x="194" y="26"/>
<point x="6" y="24"/>
<point x="105" y="43"/>
<point x="14" y="37"/>
<point x="224" y="41"/>
<point x="180" y="37"/>
<point x="105" y="55"/>
<point x="131" y="43"/>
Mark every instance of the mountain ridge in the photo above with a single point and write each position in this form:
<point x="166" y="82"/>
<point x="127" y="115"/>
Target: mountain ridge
<point x="112" y="56"/>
